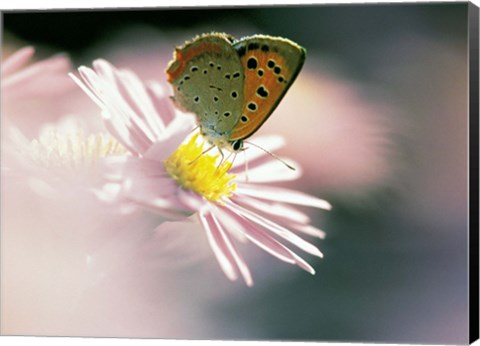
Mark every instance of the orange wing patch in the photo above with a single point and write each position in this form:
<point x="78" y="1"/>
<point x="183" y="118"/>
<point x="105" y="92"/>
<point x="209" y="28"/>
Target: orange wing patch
<point x="268" y="76"/>
<point x="198" y="46"/>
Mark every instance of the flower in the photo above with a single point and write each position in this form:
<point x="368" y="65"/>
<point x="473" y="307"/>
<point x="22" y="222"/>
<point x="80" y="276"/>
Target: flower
<point x="40" y="77"/>
<point x="171" y="176"/>
<point x="32" y="87"/>
<point x="65" y="248"/>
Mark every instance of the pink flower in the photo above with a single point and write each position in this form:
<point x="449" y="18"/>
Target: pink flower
<point x="168" y="174"/>
<point x="41" y="77"/>
<point x="30" y="87"/>
<point x="65" y="251"/>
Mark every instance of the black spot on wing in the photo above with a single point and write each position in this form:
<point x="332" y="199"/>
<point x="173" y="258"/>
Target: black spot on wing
<point x="262" y="91"/>
<point x="241" y="51"/>
<point x="252" y="63"/>
<point x="252" y="106"/>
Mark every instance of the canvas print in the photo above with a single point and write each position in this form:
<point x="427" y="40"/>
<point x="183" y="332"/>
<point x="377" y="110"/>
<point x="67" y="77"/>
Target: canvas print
<point x="285" y="173"/>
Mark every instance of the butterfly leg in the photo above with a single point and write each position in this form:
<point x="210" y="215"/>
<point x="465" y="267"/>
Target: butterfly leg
<point x="227" y="158"/>
<point x="195" y="128"/>
<point x="223" y="157"/>
<point x="203" y="153"/>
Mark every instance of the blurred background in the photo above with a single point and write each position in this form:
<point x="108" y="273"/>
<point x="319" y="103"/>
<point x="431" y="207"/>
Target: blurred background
<point x="377" y="119"/>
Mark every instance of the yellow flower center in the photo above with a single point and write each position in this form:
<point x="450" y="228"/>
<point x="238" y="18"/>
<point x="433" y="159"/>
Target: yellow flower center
<point x="199" y="172"/>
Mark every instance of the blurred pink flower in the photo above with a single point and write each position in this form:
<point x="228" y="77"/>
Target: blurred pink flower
<point x="44" y="77"/>
<point x="175" y="180"/>
<point x="62" y="246"/>
<point x="39" y="92"/>
<point x="60" y="163"/>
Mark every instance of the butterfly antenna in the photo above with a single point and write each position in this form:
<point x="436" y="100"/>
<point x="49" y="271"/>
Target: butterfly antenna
<point x="203" y="153"/>
<point x="272" y="155"/>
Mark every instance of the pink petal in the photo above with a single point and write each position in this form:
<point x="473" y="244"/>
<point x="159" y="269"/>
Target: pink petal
<point x="162" y="104"/>
<point x="138" y="99"/>
<point x="133" y="167"/>
<point x="260" y="238"/>
<point x="149" y="188"/>
<point x="191" y="199"/>
<point x="144" y="100"/>
<point x="282" y="195"/>
<point x="129" y="136"/>
<point x="267" y="170"/>
<point x="120" y="132"/>
<point x="131" y="98"/>
<point x="251" y="154"/>
<point x="16" y="60"/>
<point x="310" y="230"/>
<point x="175" y="244"/>
<point x="268" y="243"/>
<point x="116" y="109"/>
<point x="162" y="208"/>
<point x="229" y="223"/>
<point x="41" y="77"/>
<point x="174" y="135"/>
<point x="277" y="229"/>
<point x="237" y="257"/>
<point x="224" y="257"/>
<point x="278" y="211"/>
<point x="158" y="194"/>
<point x="303" y="264"/>
<point x="85" y="87"/>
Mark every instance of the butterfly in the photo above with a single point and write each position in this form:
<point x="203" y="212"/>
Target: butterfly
<point x="233" y="86"/>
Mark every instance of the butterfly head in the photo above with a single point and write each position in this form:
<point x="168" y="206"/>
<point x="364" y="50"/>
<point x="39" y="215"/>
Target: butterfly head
<point x="221" y="140"/>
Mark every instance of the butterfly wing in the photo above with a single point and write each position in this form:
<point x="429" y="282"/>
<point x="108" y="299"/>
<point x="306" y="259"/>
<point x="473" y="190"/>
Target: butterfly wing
<point x="207" y="78"/>
<point x="271" y="65"/>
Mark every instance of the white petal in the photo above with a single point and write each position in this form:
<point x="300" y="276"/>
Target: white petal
<point x="191" y="199"/>
<point x="303" y="264"/>
<point x="261" y="238"/>
<point x="86" y="89"/>
<point x="155" y="186"/>
<point x="268" y="170"/>
<point x="237" y="257"/>
<point x="230" y="224"/>
<point x="173" y="136"/>
<point x="277" y="210"/>
<point x="224" y="258"/>
<point x="268" y="243"/>
<point x="163" y="207"/>
<point x="278" y="230"/>
<point x="141" y="102"/>
<point x="121" y="133"/>
<point x="133" y="167"/>
<point x="282" y="195"/>
<point x="310" y="230"/>
<point x="161" y="102"/>
<point x="252" y="153"/>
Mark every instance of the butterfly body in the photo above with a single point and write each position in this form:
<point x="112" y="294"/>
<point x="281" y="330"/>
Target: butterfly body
<point x="233" y="86"/>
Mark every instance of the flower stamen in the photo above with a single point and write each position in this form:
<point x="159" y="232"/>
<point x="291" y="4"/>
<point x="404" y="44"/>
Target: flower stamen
<point x="73" y="150"/>
<point x="194" y="170"/>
